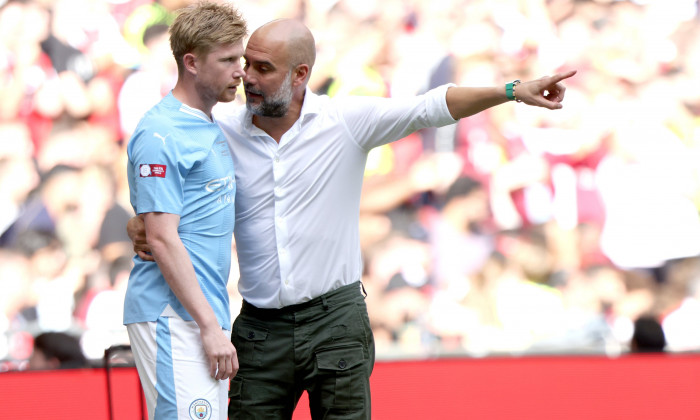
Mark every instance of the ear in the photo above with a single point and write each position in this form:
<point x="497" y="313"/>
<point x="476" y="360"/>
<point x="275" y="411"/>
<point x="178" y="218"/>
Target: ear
<point x="300" y="75"/>
<point x="190" y="62"/>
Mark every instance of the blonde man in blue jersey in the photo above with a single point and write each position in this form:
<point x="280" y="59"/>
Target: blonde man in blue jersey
<point x="182" y="182"/>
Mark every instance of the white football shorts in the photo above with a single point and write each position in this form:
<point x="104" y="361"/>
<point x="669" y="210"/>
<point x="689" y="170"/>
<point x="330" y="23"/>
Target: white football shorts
<point x="174" y="371"/>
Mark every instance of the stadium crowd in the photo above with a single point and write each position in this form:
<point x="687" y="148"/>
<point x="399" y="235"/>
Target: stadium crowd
<point x="516" y="231"/>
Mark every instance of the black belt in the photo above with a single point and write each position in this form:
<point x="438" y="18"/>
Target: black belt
<point x="326" y="300"/>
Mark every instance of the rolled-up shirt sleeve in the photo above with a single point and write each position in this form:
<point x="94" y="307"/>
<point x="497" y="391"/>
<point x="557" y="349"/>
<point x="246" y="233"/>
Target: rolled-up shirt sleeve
<point x="374" y="121"/>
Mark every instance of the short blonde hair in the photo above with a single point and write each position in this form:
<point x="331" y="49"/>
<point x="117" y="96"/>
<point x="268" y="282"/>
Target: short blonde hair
<point x="204" y="26"/>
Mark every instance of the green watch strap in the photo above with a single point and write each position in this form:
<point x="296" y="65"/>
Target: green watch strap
<point x="510" y="94"/>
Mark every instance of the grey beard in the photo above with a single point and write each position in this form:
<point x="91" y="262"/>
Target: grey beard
<point x="273" y="109"/>
<point x="278" y="104"/>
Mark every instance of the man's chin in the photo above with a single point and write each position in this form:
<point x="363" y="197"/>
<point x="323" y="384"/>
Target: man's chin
<point x="253" y="109"/>
<point x="227" y="96"/>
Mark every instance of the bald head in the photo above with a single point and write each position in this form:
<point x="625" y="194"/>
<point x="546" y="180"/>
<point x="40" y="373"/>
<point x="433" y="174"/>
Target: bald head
<point x="294" y="38"/>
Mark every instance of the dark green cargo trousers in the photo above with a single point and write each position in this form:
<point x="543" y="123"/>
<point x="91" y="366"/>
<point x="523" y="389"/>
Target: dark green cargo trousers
<point x="324" y="346"/>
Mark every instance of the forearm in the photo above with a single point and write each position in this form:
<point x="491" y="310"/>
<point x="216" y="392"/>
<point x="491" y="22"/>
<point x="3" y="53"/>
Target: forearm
<point x="465" y="101"/>
<point x="546" y="92"/>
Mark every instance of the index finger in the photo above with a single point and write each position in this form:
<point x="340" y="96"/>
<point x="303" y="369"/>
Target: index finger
<point x="561" y="76"/>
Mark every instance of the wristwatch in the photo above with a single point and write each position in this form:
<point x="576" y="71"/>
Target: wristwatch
<point x="510" y="90"/>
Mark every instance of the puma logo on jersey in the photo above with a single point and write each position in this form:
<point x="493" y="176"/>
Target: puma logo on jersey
<point x="156" y="135"/>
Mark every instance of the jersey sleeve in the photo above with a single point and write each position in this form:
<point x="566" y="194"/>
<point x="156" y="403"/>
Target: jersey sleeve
<point x="158" y="169"/>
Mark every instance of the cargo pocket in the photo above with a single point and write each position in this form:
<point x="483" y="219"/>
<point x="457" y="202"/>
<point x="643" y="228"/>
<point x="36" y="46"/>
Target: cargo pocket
<point x="249" y="341"/>
<point x="343" y="376"/>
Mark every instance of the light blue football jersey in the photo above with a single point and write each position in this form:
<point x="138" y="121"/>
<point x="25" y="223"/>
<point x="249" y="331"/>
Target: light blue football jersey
<point x="180" y="163"/>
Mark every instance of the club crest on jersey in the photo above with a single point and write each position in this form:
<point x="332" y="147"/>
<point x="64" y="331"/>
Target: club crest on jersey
<point x="152" y="169"/>
<point x="200" y="410"/>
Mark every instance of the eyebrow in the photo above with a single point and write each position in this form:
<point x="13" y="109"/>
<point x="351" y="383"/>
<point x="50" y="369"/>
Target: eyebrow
<point x="228" y="57"/>
<point x="259" y="62"/>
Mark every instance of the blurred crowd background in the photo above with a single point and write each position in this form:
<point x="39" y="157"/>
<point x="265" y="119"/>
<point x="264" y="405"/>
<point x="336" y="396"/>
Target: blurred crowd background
<point x="517" y="231"/>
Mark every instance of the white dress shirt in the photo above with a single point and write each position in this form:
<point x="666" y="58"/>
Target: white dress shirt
<point x="297" y="202"/>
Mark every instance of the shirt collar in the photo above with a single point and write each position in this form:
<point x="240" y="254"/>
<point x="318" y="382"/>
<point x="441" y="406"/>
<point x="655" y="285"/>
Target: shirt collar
<point x="172" y="101"/>
<point x="311" y="106"/>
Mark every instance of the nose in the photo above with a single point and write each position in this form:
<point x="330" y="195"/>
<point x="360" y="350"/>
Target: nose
<point x="239" y="73"/>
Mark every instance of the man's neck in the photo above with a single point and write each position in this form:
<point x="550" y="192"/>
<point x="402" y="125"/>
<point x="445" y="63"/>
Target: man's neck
<point x="275" y="127"/>
<point x="187" y="94"/>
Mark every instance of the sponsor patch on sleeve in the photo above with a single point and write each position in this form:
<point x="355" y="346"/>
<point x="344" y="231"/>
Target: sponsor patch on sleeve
<point x="152" y="169"/>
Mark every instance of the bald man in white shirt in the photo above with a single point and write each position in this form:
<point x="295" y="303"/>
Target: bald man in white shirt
<point x="300" y="160"/>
